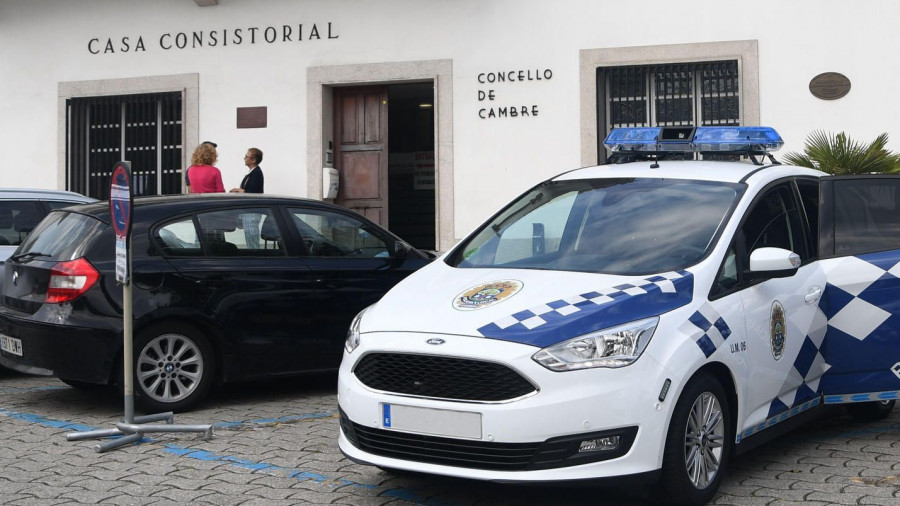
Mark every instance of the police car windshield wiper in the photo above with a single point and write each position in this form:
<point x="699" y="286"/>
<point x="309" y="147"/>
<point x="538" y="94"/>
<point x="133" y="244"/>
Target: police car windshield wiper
<point x="27" y="256"/>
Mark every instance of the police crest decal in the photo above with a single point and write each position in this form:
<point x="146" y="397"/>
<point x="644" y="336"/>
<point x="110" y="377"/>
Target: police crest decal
<point x="777" y="331"/>
<point x="487" y="294"/>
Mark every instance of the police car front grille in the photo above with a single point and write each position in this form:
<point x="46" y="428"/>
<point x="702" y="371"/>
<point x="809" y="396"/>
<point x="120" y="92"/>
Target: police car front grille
<point x="441" y="377"/>
<point x="438" y="450"/>
<point x="553" y="453"/>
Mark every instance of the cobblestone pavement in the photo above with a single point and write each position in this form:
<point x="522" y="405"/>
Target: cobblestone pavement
<point x="276" y="443"/>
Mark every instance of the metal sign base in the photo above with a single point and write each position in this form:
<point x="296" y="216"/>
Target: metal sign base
<point x="133" y="429"/>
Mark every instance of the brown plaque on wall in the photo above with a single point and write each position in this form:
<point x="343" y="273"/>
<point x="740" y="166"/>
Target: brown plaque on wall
<point x="252" y="117"/>
<point x="829" y="86"/>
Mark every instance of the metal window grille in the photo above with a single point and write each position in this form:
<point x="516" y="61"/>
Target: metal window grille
<point x="143" y="129"/>
<point x="680" y="94"/>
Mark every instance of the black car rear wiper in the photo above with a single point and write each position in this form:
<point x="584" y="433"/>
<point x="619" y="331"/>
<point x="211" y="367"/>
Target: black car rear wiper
<point x="27" y="256"/>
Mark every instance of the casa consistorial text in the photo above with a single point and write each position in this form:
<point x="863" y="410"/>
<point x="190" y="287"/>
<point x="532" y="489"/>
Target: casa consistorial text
<point x="224" y="37"/>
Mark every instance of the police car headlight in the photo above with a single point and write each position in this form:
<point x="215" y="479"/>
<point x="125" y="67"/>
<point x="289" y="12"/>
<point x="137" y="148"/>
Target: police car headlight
<point x="353" y="338"/>
<point x="614" y="347"/>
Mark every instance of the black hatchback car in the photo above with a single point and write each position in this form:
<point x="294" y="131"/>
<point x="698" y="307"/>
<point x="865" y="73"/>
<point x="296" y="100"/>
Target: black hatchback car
<point x="225" y="288"/>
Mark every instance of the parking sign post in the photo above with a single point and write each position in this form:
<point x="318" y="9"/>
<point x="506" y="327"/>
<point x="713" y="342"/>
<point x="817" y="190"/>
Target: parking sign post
<point x="133" y="428"/>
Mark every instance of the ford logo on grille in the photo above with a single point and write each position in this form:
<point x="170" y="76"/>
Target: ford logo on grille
<point x="435" y="341"/>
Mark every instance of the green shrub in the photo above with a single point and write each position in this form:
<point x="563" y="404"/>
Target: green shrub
<point x="838" y="155"/>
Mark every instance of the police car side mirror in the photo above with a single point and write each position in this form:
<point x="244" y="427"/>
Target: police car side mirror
<point x="773" y="263"/>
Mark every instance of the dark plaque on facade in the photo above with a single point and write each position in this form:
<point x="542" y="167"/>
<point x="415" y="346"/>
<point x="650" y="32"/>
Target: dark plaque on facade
<point x="252" y="117"/>
<point x="829" y="86"/>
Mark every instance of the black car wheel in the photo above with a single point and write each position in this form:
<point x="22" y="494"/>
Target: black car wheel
<point x="698" y="444"/>
<point x="870" y="411"/>
<point x="173" y="368"/>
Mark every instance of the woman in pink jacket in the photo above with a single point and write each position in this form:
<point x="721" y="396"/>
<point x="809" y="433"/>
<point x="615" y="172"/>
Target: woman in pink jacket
<point x="202" y="174"/>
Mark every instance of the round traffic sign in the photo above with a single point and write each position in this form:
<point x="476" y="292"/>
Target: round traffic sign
<point x="120" y="199"/>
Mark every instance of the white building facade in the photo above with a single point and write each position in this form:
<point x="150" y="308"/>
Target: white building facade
<point x="434" y="113"/>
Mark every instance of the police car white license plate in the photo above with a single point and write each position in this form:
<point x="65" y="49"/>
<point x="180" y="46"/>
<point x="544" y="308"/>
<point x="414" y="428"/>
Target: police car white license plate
<point x="11" y="345"/>
<point x="438" y="422"/>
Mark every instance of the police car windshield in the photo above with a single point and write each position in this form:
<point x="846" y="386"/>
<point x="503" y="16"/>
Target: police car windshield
<point x="614" y="226"/>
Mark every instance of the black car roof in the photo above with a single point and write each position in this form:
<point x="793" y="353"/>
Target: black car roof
<point x="175" y="204"/>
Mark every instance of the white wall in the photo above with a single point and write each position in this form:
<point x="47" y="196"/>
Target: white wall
<point x="45" y="42"/>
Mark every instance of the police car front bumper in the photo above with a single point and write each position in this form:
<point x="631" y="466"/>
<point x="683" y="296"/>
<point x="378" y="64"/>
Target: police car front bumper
<point x="587" y="424"/>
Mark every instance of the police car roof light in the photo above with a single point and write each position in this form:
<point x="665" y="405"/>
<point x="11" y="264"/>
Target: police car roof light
<point x="633" y="139"/>
<point x="735" y="139"/>
<point x="753" y="139"/>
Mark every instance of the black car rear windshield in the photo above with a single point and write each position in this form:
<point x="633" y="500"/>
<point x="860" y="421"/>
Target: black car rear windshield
<point x="615" y="226"/>
<point x="61" y="236"/>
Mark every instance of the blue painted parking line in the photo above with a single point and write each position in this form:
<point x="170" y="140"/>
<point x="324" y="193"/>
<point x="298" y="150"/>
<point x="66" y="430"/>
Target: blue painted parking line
<point x="398" y="493"/>
<point x="296" y="474"/>
<point x="46" y="422"/>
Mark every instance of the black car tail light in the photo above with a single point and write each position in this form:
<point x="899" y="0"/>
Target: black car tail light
<point x="70" y="280"/>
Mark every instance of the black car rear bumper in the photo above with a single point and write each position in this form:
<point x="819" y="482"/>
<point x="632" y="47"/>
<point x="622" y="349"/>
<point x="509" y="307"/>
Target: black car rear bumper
<point x="65" y="351"/>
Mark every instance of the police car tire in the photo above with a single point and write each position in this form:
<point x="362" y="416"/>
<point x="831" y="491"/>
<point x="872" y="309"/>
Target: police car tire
<point x="675" y="486"/>
<point x="870" y="411"/>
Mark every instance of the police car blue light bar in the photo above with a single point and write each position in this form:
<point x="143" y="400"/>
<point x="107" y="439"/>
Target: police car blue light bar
<point x="635" y="139"/>
<point x="745" y="139"/>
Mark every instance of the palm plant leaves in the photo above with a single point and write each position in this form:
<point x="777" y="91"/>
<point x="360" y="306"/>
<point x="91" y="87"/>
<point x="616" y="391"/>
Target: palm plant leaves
<point x="838" y="154"/>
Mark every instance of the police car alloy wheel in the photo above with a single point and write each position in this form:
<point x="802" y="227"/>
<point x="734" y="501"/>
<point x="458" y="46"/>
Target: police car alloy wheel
<point x="698" y="444"/>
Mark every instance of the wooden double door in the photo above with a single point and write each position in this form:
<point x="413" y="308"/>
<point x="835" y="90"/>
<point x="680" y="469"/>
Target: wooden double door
<point x="361" y="150"/>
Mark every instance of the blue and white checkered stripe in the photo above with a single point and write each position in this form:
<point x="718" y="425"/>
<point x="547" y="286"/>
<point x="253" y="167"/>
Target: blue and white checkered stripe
<point x="569" y="317"/>
<point x="869" y="397"/>
<point x="794" y="411"/>
<point x="863" y="312"/>
<point x="707" y="327"/>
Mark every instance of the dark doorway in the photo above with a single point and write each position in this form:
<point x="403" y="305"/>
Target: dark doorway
<point x="411" y="163"/>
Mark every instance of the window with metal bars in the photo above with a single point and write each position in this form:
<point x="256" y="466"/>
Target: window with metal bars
<point x="143" y="129"/>
<point x="682" y="94"/>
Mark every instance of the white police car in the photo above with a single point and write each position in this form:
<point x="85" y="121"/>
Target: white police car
<point x="644" y="319"/>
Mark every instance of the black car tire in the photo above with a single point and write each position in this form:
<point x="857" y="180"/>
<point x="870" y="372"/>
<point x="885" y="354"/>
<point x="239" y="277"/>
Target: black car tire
<point x="870" y="411"/>
<point x="174" y="367"/>
<point x="698" y="444"/>
<point x="83" y="385"/>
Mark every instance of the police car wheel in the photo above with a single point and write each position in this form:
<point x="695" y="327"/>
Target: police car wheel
<point x="698" y="444"/>
<point x="870" y="411"/>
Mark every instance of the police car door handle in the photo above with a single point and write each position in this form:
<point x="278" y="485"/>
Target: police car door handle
<point x="812" y="296"/>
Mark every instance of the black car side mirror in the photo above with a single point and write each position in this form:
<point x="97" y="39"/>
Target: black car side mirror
<point x="401" y="250"/>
